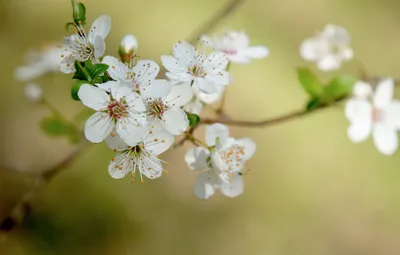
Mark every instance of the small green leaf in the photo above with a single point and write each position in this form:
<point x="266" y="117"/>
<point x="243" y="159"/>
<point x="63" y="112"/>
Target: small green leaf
<point x="78" y="12"/>
<point x="81" y="73"/>
<point x="309" y="82"/>
<point x="339" y="87"/>
<point x="75" y="89"/>
<point x="313" y="104"/>
<point x="194" y="119"/>
<point x="54" y="126"/>
<point x="98" y="69"/>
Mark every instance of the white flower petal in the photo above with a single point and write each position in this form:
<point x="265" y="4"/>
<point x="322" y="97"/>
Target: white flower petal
<point x="358" y="109"/>
<point x="129" y="43"/>
<point x="100" y="27"/>
<point x="158" y="140"/>
<point x="184" y="52"/>
<point x="175" y="121"/>
<point x="196" y="158"/>
<point x="107" y="86"/>
<point x="384" y="93"/>
<point x="98" y="127"/>
<point x="145" y="70"/>
<point x="156" y="89"/>
<point x="93" y="97"/>
<point x="172" y="64"/>
<point x="249" y="147"/>
<point x="99" y="46"/>
<point x="204" y="186"/>
<point x="313" y="49"/>
<point x="385" y="138"/>
<point x="329" y="63"/>
<point x="359" y="131"/>
<point x="215" y="131"/>
<point x="115" y="142"/>
<point x="179" y="95"/>
<point x="346" y="53"/>
<point x="215" y="62"/>
<point x="255" y="52"/>
<point x="116" y="69"/>
<point x="392" y="114"/>
<point x="205" y="86"/>
<point x="336" y="34"/>
<point x="120" y="166"/>
<point x="194" y="106"/>
<point x="233" y="188"/>
<point x="212" y="98"/>
<point x="221" y="78"/>
<point x="33" y="92"/>
<point x="362" y="90"/>
<point x="130" y="132"/>
<point x="151" y="167"/>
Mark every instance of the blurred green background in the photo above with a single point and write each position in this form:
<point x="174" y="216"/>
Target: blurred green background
<point x="310" y="192"/>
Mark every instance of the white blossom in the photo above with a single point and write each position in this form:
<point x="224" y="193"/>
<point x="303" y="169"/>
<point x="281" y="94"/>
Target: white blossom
<point x="381" y="118"/>
<point x="39" y="62"/>
<point x="143" y="157"/>
<point x="328" y="49"/>
<point x="33" y="92"/>
<point x="163" y="103"/>
<point x="133" y="75"/>
<point x="200" y="99"/>
<point x="188" y="65"/>
<point x="122" y="109"/>
<point x="236" y="46"/>
<point x="129" y="43"/>
<point x="82" y="47"/>
<point x="223" y="165"/>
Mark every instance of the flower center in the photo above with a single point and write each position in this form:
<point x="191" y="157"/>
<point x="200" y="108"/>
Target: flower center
<point x="377" y="115"/>
<point x="117" y="110"/>
<point x="157" y="108"/>
<point x="228" y="163"/>
<point x="197" y="70"/>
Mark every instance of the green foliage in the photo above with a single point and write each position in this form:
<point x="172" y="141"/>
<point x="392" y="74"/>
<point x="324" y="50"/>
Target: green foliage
<point x="309" y="82"/>
<point x="78" y="12"/>
<point x="194" y="119"/>
<point x="55" y="126"/>
<point x="322" y="95"/>
<point x="88" y="72"/>
<point x="75" y="89"/>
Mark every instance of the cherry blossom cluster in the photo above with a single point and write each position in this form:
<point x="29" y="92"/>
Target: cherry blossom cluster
<point x="139" y="111"/>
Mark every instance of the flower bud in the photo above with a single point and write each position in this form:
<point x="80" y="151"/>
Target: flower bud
<point x="33" y="92"/>
<point x="128" y="47"/>
<point x="78" y="12"/>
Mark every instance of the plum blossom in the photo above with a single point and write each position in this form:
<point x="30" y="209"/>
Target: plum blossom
<point x="163" y="104"/>
<point x="39" y="62"/>
<point x="82" y="47"/>
<point x="188" y="65"/>
<point x="143" y="157"/>
<point x="328" y="49"/>
<point x="122" y="109"/>
<point x="136" y="76"/>
<point x="236" y="46"/>
<point x="222" y="163"/>
<point x="200" y="99"/>
<point x="381" y="118"/>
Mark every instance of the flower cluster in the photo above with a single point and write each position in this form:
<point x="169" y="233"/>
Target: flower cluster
<point x="139" y="115"/>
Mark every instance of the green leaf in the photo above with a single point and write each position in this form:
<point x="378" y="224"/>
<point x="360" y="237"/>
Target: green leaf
<point x="78" y="12"/>
<point x="55" y="127"/>
<point x="75" y="89"/>
<point x="309" y="82"/>
<point x="194" y="119"/>
<point x="313" y="104"/>
<point x="81" y="72"/>
<point x="339" y="87"/>
<point x="98" y="69"/>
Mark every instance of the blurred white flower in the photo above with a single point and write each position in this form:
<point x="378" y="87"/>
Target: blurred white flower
<point x="236" y="45"/>
<point x="82" y="47"/>
<point x="33" y="92"/>
<point x="123" y="110"/>
<point x="362" y="90"/>
<point x="381" y="118"/>
<point x="39" y="62"/>
<point x="163" y="103"/>
<point x="136" y="76"/>
<point x="200" y="99"/>
<point x="329" y="49"/>
<point x="188" y="65"/>
<point x="142" y="157"/>
<point x="223" y="165"/>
